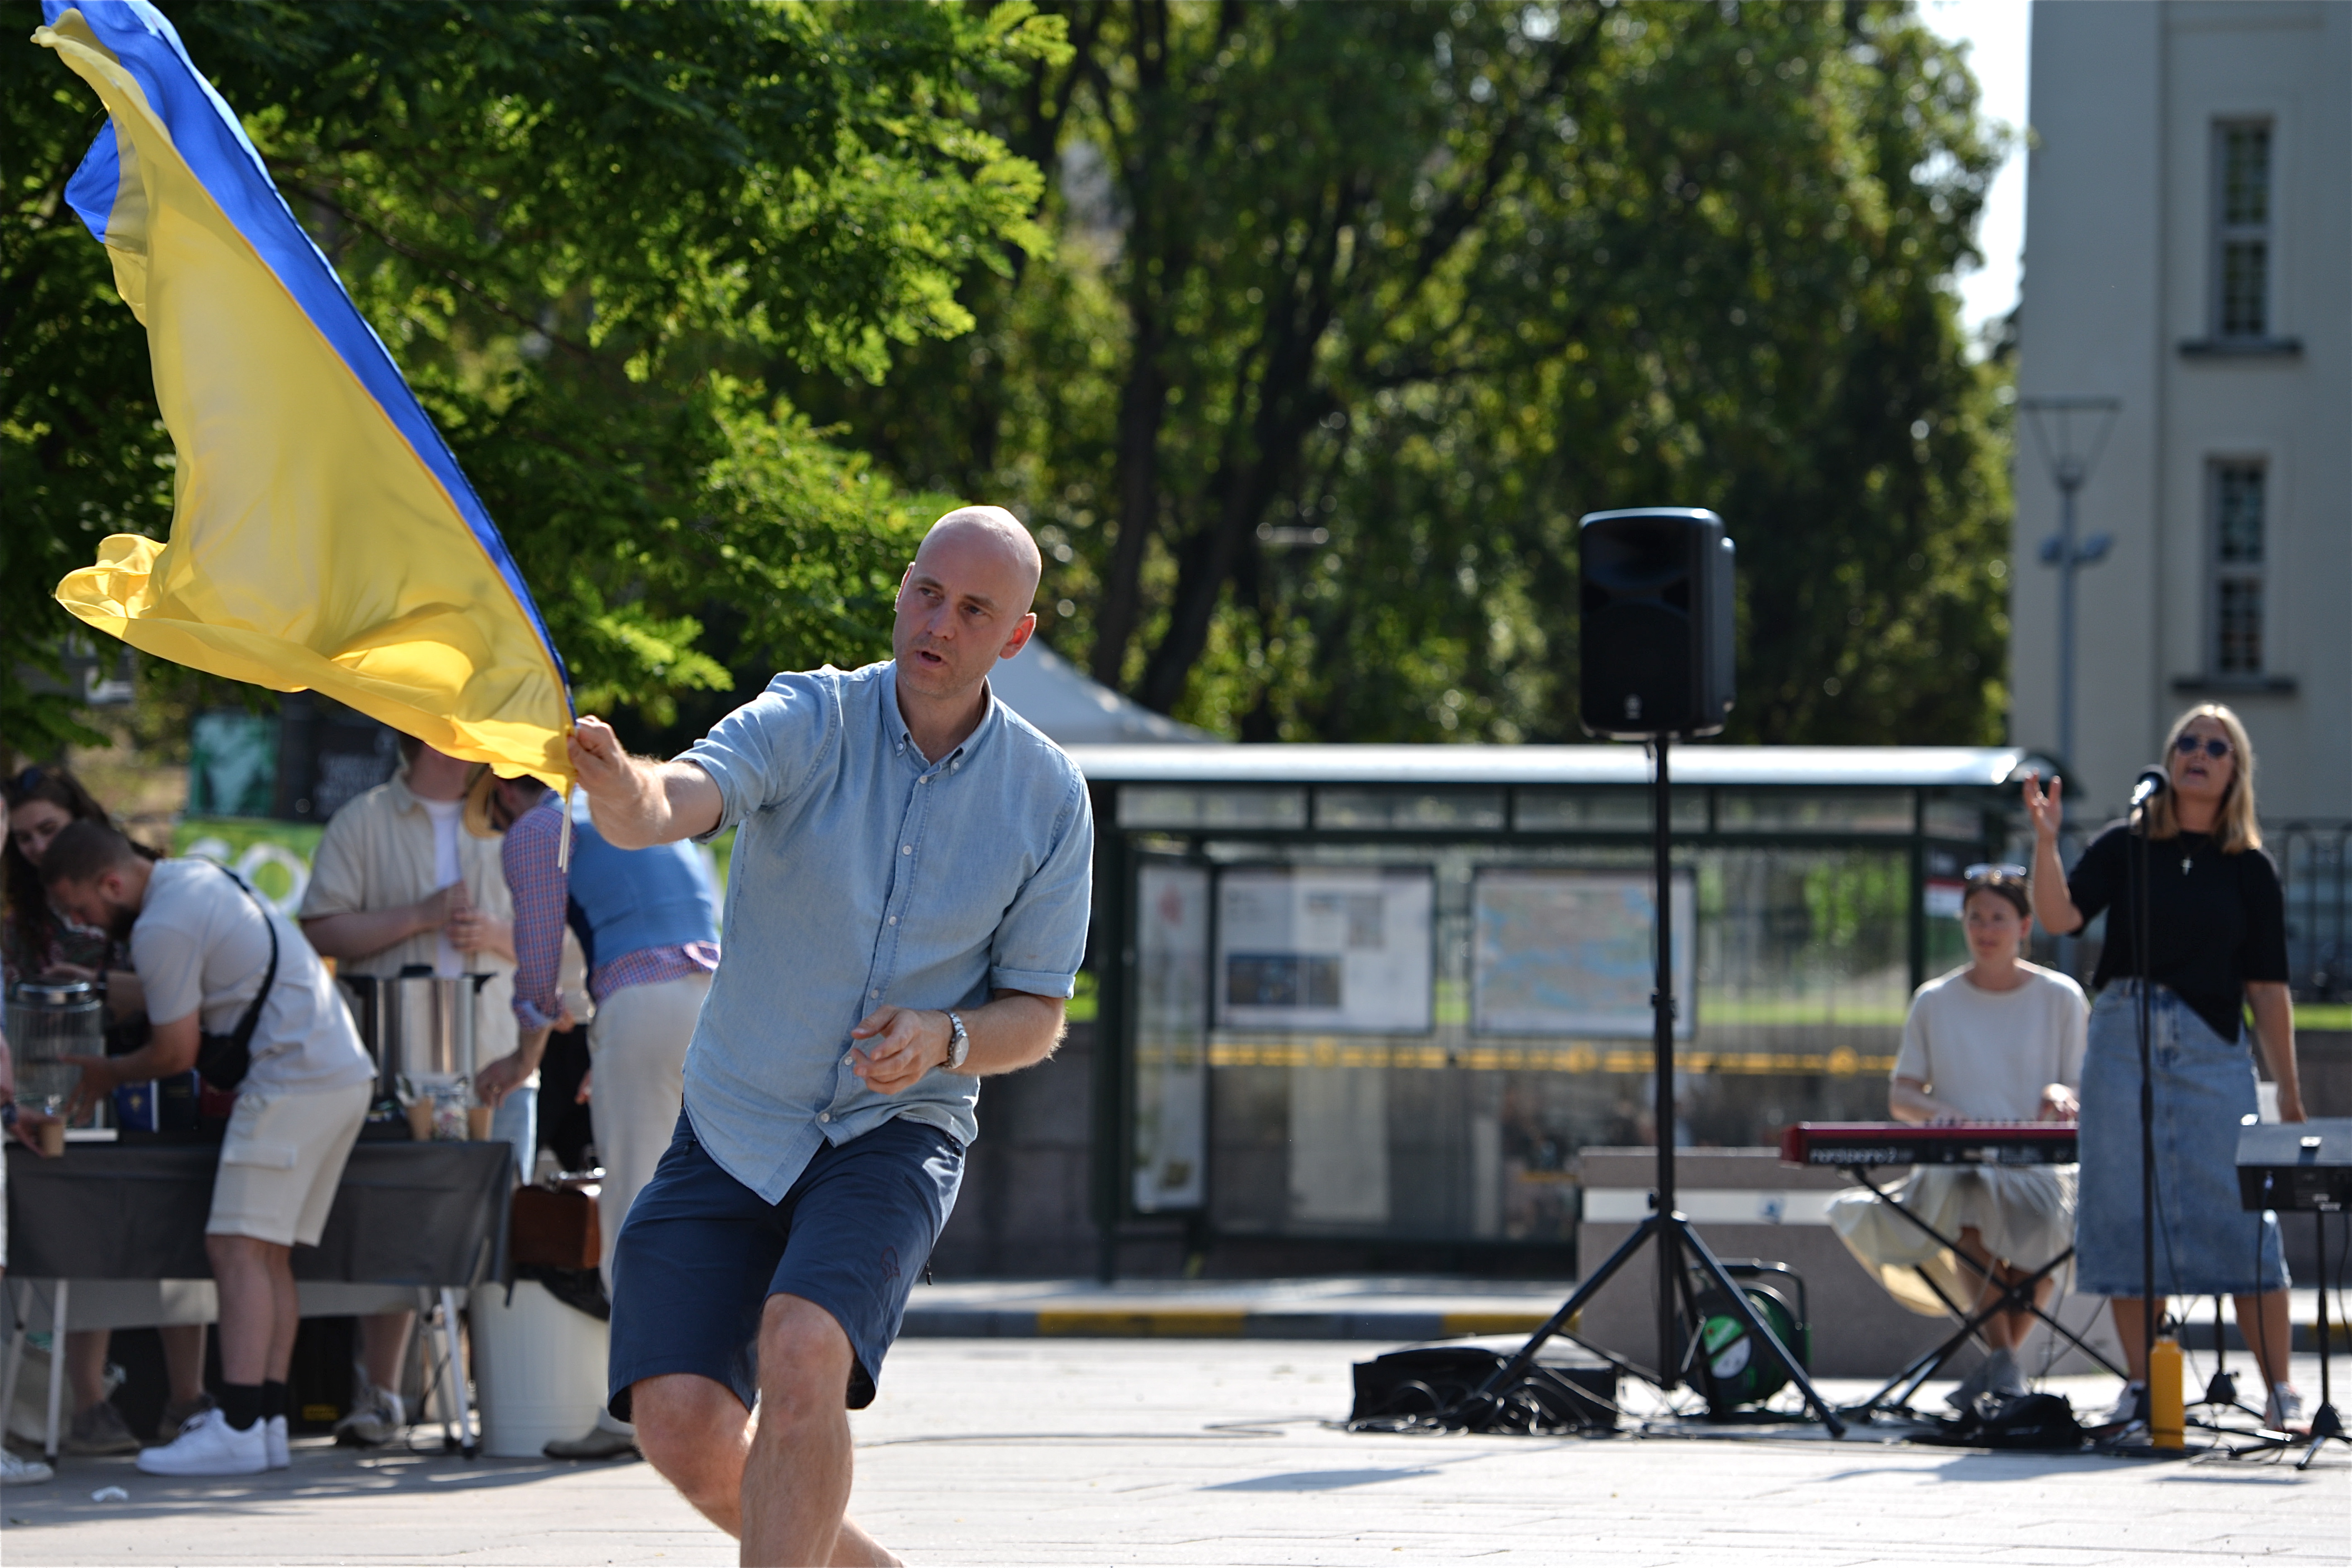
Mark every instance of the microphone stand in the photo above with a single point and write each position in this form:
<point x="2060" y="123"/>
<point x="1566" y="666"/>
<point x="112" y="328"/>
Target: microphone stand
<point x="2140" y="945"/>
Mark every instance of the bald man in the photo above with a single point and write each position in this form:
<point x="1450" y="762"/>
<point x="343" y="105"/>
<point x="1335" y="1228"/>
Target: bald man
<point x="906" y="912"/>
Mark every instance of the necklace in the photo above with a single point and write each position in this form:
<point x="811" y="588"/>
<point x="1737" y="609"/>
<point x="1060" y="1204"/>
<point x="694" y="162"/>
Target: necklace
<point x="2184" y="865"/>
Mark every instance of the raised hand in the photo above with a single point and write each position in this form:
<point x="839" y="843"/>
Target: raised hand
<point x="2044" y="807"/>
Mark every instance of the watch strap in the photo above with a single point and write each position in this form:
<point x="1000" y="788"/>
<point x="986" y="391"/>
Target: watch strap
<point x="959" y="1042"/>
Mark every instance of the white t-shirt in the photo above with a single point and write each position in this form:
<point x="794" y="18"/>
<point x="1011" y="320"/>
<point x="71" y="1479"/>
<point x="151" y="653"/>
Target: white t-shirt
<point x="199" y="945"/>
<point x="446" y="960"/>
<point x="1986" y="1055"/>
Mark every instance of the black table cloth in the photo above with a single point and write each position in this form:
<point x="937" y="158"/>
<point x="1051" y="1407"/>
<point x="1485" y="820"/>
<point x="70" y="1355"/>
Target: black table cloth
<point x="405" y="1214"/>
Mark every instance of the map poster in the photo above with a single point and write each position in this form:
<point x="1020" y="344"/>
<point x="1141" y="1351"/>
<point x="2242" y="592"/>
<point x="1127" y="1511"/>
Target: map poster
<point x="1312" y="947"/>
<point x="1571" y="953"/>
<point x="1171" y="1036"/>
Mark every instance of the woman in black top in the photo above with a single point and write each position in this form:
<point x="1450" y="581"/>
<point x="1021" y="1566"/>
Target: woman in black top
<point x="2216" y="945"/>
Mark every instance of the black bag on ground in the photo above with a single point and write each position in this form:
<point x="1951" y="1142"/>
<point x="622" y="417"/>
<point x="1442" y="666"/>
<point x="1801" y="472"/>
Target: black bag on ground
<point x="2043" y="1421"/>
<point x="223" y="1060"/>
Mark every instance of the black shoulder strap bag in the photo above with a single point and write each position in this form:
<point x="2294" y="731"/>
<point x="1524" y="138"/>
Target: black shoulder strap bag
<point x="223" y="1060"/>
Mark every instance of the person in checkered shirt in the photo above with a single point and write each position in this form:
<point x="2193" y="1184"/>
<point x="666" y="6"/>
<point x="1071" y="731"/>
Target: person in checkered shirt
<point x="647" y="919"/>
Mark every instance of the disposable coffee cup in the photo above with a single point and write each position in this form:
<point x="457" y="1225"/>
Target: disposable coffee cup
<point x="477" y="1123"/>
<point x="420" y="1120"/>
<point x="52" y="1136"/>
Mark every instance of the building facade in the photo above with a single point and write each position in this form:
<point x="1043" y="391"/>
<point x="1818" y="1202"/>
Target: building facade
<point x="2188" y="252"/>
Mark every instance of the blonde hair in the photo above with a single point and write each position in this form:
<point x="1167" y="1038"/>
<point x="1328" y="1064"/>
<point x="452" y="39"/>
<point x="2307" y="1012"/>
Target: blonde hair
<point x="2234" y="827"/>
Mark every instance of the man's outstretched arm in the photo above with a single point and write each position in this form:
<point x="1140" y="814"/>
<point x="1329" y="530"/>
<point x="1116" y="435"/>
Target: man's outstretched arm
<point x="637" y="801"/>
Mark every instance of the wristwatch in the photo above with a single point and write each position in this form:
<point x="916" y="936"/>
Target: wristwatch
<point x="958" y="1043"/>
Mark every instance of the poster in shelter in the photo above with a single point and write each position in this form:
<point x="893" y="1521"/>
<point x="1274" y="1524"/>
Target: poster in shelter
<point x="1324" y="948"/>
<point x="1570" y="952"/>
<point x="1171" y="1036"/>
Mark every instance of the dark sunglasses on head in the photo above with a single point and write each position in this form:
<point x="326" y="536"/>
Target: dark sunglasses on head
<point x="1988" y="872"/>
<point x="2215" y="747"/>
<point x="28" y="780"/>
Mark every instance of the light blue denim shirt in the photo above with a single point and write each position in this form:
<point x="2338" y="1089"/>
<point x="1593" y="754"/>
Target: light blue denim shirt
<point x="863" y="874"/>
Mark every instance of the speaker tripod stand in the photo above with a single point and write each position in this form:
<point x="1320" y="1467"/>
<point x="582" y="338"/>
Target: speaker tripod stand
<point x="1680" y="1248"/>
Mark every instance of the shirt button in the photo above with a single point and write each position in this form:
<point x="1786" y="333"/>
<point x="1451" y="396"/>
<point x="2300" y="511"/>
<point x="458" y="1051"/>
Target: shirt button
<point x="894" y="919"/>
<point x="905" y="849"/>
<point x="825" y="1116"/>
<point x="874" y="992"/>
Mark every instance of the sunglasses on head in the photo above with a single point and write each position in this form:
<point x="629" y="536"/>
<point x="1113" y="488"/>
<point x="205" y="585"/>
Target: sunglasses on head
<point x="2214" y="747"/>
<point x="1988" y="872"/>
<point x="29" y="779"/>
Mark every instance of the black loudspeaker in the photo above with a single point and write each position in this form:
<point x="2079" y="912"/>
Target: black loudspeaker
<point x="1656" y="622"/>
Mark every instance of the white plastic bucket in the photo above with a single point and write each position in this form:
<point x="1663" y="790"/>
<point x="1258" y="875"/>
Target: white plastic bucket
<point x="538" y="1368"/>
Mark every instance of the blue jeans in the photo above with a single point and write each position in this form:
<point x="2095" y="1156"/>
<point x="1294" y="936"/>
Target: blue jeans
<point x="2206" y="1242"/>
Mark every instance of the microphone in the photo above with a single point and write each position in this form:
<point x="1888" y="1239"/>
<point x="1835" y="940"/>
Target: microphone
<point x="2150" y="783"/>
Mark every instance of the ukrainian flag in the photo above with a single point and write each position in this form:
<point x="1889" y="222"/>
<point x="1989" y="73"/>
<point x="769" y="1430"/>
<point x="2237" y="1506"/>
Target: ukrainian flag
<point x="322" y="536"/>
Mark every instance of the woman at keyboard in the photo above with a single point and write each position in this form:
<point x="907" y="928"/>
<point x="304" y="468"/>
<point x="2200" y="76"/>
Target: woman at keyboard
<point x="1998" y="1040"/>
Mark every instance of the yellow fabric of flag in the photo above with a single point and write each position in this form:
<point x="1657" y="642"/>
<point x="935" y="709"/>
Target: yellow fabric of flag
<point x="322" y="537"/>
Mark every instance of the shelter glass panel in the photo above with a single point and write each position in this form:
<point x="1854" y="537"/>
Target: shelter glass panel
<point x="1604" y="811"/>
<point x="1445" y="810"/>
<point x="1793" y="811"/>
<point x="1198" y="807"/>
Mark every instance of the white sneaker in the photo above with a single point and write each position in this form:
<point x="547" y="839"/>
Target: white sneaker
<point x="273" y="1442"/>
<point x="2282" y="1411"/>
<point x="375" y="1423"/>
<point x="209" y="1446"/>
<point x="17" y="1472"/>
<point x="2127" y="1408"/>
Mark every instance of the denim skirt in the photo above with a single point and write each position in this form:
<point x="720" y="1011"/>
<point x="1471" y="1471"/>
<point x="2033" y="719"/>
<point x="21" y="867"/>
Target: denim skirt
<point x="2206" y="1243"/>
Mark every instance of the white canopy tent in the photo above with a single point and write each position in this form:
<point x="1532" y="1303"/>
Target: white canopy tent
<point x="1058" y="698"/>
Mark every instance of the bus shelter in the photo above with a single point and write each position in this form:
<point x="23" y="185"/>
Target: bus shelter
<point x="1386" y="993"/>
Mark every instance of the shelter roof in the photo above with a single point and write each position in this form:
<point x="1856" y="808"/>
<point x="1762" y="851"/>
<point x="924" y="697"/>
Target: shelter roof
<point x="1814" y="767"/>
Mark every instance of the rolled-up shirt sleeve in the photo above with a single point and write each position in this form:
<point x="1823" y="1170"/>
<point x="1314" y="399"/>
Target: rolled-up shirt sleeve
<point x="764" y="752"/>
<point x="540" y="889"/>
<point x="1042" y="940"/>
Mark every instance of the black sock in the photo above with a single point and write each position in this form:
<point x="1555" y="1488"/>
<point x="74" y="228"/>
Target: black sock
<point x="241" y="1403"/>
<point x="273" y="1399"/>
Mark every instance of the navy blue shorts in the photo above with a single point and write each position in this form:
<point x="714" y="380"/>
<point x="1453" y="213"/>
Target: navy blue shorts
<point x="701" y="1253"/>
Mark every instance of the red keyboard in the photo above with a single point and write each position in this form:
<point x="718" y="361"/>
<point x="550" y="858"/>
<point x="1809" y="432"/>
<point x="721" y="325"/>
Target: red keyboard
<point x="1846" y="1143"/>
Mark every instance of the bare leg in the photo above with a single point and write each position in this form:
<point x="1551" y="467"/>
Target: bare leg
<point x="796" y="1478"/>
<point x="697" y="1434"/>
<point x="1997" y="1331"/>
<point x="2128" y="1315"/>
<point x="383" y="1347"/>
<point x="86" y="1365"/>
<point x="249" y="1273"/>
<point x="2263" y="1323"/>
<point x="184" y="1360"/>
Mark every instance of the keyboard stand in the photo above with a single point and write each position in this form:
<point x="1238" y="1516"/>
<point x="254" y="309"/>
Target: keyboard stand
<point x="2013" y="1297"/>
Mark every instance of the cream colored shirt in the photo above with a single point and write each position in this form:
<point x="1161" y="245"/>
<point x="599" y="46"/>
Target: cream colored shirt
<point x="378" y="853"/>
<point x="1987" y="1054"/>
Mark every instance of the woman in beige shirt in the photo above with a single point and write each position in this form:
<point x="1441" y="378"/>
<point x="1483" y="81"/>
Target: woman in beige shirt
<point x="1998" y="1041"/>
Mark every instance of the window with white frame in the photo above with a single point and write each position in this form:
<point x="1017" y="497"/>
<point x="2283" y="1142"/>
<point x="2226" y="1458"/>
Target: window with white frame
<point x="2241" y="230"/>
<point x="2239" y="498"/>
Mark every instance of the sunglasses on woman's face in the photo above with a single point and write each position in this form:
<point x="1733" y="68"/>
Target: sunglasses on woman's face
<point x="2214" y="746"/>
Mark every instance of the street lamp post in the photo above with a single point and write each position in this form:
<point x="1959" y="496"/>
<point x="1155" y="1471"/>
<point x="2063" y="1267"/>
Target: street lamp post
<point x="2057" y="423"/>
<point x="2071" y="431"/>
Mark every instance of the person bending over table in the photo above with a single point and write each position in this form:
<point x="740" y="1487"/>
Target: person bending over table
<point x="905" y="913"/>
<point x="38" y="942"/>
<point x="1997" y="1040"/>
<point x="2216" y="946"/>
<point x="203" y="944"/>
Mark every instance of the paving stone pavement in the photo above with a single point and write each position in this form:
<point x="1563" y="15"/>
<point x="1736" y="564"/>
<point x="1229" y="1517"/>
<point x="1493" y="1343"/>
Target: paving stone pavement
<point x="1042" y="1451"/>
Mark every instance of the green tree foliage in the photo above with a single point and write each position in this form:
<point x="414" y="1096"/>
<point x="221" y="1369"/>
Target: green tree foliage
<point x="1358" y="307"/>
<point x="594" y="236"/>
